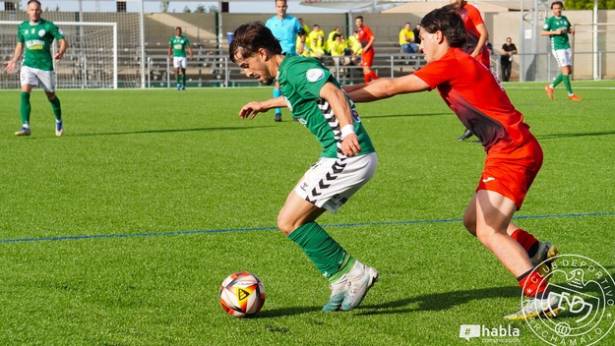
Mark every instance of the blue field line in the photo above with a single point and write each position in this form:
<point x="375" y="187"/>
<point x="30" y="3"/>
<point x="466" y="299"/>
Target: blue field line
<point x="271" y="228"/>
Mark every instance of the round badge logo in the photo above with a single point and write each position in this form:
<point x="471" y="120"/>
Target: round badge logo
<point x="314" y="74"/>
<point x="41" y="33"/>
<point x="581" y="296"/>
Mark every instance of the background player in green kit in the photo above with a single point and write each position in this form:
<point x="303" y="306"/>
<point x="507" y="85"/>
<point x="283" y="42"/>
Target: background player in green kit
<point x="347" y="162"/>
<point x="177" y="47"/>
<point x="34" y="39"/>
<point x="558" y="27"/>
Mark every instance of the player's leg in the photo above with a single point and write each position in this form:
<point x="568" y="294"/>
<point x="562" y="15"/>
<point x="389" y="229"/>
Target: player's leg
<point x="183" y="70"/>
<point x="567" y="72"/>
<point x="277" y="93"/>
<point x="327" y="185"/>
<point x="48" y="81"/>
<point x="28" y="81"/>
<point x="550" y="88"/>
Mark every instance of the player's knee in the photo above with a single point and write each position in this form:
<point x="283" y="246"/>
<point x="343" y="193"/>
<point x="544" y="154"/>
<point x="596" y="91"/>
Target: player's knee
<point x="469" y="223"/>
<point x="285" y="224"/>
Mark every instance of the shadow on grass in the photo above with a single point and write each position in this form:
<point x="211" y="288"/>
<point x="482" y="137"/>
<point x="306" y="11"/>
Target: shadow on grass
<point x="438" y="301"/>
<point x="297" y="310"/>
<point x="156" y="131"/>
<point x="576" y="134"/>
<point x="409" y="115"/>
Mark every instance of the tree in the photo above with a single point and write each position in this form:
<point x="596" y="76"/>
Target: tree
<point x="187" y="9"/>
<point x="200" y="9"/>
<point x="164" y="5"/>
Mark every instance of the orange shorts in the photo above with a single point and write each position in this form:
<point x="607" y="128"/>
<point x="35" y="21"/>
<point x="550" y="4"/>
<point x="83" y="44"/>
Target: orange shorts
<point x="510" y="171"/>
<point x="367" y="58"/>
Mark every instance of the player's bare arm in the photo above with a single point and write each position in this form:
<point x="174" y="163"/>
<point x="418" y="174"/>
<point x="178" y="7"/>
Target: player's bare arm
<point x="337" y="99"/>
<point x="386" y="87"/>
<point x="482" y="40"/>
<point x="251" y="109"/>
<point x="62" y="50"/>
<point x="11" y="65"/>
<point x="369" y="43"/>
<point x="190" y="52"/>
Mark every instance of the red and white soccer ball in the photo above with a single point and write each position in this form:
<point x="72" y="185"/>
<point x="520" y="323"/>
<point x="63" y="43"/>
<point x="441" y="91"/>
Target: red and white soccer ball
<point x="242" y="294"/>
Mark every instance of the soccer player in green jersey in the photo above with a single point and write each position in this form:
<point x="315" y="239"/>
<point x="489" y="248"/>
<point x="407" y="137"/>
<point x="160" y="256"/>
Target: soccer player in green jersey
<point x="348" y="159"/>
<point x="177" y="47"/>
<point x="557" y="28"/>
<point x="34" y="39"/>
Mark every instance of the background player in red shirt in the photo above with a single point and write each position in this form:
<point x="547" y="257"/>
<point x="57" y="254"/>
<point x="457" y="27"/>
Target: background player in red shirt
<point x="476" y="41"/>
<point x="366" y="37"/>
<point x="513" y="158"/>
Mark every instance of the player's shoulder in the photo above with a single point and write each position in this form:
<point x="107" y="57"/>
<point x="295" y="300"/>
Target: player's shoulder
<point x="298" y="65"/>
<point x="47" y="23"/>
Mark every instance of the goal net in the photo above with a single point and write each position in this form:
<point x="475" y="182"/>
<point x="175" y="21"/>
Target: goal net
<point x="90" y="62"/>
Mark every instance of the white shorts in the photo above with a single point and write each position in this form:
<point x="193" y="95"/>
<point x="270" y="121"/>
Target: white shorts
<point x="330" y="182"/>
<point x="33" y="76"/>
<point x="563" y="57"/>
<point x="179" y="62"/>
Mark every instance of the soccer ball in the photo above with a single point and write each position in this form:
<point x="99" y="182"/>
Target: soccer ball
<point x="242" y="294"/>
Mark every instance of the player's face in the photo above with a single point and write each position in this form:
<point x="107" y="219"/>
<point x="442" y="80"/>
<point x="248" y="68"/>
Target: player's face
<point x="557" y="10"/>
<point x="358" y="23"/>
<point x="178" y="32"/>
<point x="280" y="8"/>
<point x="429" y="44"/>
<point x="34" y="12"/>
<point x="254" y="67"/>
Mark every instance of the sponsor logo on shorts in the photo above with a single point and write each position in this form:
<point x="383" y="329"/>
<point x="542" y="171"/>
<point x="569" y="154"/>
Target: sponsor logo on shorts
<point x="488" y="179"/>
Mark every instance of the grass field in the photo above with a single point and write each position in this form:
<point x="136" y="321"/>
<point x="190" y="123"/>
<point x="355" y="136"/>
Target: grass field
<point x="120" y="232"/>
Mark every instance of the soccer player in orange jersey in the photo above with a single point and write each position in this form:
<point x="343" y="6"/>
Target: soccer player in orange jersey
<point x="366" y="37"/>
<point x="476" y="41"/>
<point x="514" y="156"/>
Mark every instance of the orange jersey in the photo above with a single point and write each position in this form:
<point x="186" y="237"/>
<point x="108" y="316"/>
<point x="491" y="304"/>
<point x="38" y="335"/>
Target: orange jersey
<point x="365" y="35"/>
<point x="471" y="91"/>
<point x="514" y="156"/>
<point x="471" y="19"/>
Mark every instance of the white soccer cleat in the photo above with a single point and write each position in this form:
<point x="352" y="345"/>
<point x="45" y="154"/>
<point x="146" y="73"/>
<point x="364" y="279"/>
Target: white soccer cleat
<point x="360" y="279"/>
<point x="59" y="129"/>
<point x="24" y="131"/>
<point x="537" y="307"/>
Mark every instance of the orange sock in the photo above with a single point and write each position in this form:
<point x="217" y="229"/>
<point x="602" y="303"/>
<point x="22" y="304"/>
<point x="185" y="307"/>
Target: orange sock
<point x="533" y="284"/>
<point x="525" y="239"/>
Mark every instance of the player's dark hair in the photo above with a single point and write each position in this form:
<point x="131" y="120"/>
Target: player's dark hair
<point x="557" y="3"/>
<point x="34" y="1"/>
<point x="448" y="22"/>
<point x="335" y="36"/>
<point x="250" y="37"/>
<point x="359" y="17"/>
<point x="302" y="33"/>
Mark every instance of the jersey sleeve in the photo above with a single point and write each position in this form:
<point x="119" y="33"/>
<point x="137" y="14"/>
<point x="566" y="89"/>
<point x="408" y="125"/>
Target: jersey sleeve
<point x="435" y="73"/>
<point x="297" y="26"/>
<point x="20" y="37"/>
<point x="309" y="79"/>
<point x="56" y="32"/>
<point x="474" y="16"/>
<point x="547" y="25"/>
<point x="187" y="43"/>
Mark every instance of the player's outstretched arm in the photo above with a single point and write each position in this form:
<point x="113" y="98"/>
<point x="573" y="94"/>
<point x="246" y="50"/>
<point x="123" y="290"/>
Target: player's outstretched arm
<point x="11" y="65"/>
<point x="341" y="109"/>
<point x="251" y="109"/>
<point x="386" y="87"/>
<point x="482" y="40"/>
<point x="62" y="50"/>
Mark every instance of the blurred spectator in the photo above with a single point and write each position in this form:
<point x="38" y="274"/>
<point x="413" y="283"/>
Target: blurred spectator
<point x="406" y="40"/>
<point x="304" y="26"/>
<point x="417" y="38"/>
<point x="508" y="50"/>
<point x="316" y="41"/>
<point x="330" y="38"/>
<point x="354" y="45"/>
<point x="366" y="37"/>
<point x="303" y="48"/>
